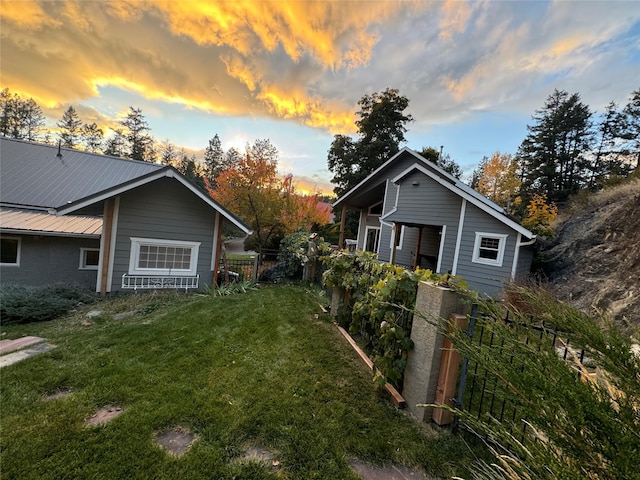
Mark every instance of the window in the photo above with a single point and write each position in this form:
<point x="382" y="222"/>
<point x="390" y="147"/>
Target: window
<point x="372" y="238"/>
<point x="163" y="257"/>
<point x="10" y="251"/>
<point x="489" y="248"/>
<point x="89" y="258"/>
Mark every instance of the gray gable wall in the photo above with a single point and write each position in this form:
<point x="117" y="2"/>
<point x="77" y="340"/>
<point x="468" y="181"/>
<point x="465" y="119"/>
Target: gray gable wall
<point x="162" y="210"/>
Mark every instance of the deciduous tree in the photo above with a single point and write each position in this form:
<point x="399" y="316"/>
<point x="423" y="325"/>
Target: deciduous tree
<point x="498" y="179"/>
<point x="443" y="160"/>
<point x="381" y="128"/>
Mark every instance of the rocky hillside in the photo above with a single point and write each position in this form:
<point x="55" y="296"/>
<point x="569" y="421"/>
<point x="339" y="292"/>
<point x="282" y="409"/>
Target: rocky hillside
<point x="594" y="260"/>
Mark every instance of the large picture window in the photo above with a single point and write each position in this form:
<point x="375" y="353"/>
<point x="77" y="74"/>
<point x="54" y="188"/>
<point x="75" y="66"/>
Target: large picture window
<point x="163" y="257"/>
<point x="10" y="251"/>
<point x="489" y="248"/>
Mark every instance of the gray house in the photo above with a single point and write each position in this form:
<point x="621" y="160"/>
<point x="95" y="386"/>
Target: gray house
<point x="414" y="214"/>
<point x="104" y="222"/>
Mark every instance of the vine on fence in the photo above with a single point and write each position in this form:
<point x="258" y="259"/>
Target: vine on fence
<point x="377" y="306"/>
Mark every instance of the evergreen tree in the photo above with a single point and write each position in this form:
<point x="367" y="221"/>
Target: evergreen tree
<point x="115" y="144"/>
<point x="553" y="153"/>
<point x="215" y="160"/>
<point x="381" y="127"/>
<point x="607" y="158"/>
<point x="21" y="119"/>
<point x="631" y="130"/>
<point x="70" y="128"/>
<point x="168" y="153"/>
<point x="92" y="137"/>
<point x="33" y="119"/>
<point x="140" y="143"/>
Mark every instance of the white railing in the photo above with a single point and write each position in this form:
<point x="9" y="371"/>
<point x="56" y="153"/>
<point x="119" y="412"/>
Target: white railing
<point x="136" y="282"/>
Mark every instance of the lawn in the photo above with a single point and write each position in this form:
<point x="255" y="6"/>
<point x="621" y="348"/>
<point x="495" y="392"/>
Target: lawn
<point x="263" y="369"/>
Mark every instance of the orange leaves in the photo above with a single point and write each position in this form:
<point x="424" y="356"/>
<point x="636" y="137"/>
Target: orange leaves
<point x="540" y="215"/>
<point x="498" y="180"/>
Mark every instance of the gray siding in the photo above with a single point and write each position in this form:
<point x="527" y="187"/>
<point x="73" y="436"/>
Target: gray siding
<point x="428" y="203"/>
<point x="488" y="279"/>
<point x="48" y="259"/>
<point x="523" y="269"/>
<point x="163" y="210"/>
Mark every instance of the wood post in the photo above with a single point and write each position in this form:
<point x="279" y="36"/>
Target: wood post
<point x="343" y="221"/>
<point x="107" y="232"/>
<point x="416" y="259"/>
<point x="448" y="378"/>
<point x="216" y="254"/>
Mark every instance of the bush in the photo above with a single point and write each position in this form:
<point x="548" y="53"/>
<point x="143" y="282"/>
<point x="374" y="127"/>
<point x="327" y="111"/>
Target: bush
<point x="23" y="303"/>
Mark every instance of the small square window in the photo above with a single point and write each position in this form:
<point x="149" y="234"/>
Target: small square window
<point x="489" y="248"/>
<point x="10" y="251"/>
<point x="89" y="258"/>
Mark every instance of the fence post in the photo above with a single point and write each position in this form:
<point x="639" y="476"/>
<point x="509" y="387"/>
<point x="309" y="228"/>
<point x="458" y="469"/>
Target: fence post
<point x="448" y="378"/>
<point x="256" y="265"/>
<point x="433" y="305"/>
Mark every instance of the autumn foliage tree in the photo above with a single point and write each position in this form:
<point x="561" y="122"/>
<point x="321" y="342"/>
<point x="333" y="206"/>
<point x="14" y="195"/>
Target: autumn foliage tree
<point x="540" y="214"/>
<point x="251" y="188"/>
<point x="497" y="179"/>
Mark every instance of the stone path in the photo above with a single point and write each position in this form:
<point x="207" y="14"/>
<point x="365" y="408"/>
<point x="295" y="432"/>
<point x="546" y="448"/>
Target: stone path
<point x="14" y="351"/>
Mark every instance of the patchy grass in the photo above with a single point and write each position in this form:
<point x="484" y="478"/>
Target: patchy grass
<point x="258" y="369"/>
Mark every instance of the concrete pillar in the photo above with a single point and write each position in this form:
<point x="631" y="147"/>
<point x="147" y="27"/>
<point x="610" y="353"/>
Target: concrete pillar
<point x="434" y="304"/>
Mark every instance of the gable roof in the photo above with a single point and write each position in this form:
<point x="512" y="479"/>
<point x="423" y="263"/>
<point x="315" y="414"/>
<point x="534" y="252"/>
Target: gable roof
<point x="442" y="177"/>
<point x="64" y="180"/>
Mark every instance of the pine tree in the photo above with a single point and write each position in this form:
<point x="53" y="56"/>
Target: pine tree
<point x="70" y="128"/>
<point x="214" y="159"/>
<point x="115" y="144"/>
<point x="92" y="137"/>
<point x="136" y="134"/>
<point x="631" y="131"/>
<point x="552" y="154"/>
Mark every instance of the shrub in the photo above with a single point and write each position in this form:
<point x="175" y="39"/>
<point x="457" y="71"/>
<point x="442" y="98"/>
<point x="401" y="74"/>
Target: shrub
<point x="23" y="304"/>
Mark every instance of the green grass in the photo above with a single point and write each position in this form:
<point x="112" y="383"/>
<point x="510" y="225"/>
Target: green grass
<point x="258" y="369"/>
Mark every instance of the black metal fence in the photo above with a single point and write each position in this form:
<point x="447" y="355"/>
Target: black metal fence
<point x="481" y="393"/>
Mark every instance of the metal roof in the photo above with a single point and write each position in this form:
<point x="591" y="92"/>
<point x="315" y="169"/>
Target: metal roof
<point x="33" y="174"/>
<point x="17" y="220"/>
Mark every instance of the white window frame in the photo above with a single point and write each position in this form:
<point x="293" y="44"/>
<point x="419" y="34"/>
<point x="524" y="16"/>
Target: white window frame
<point x="502" y="243"/>
<point x="18" y="253"/>
<point x="134" y="257"/>
<point x="393" y="237"/>
<point x="83" y="259"/>
<point x="366" y="236"/>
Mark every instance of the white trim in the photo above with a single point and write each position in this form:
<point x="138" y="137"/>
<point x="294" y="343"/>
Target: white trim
<point x="83" y="259"/>
<point x="488" y="207"/>
<point x="393" y="237"/>
<point x="134" y="256"/>
<point x="18" y="252"/>
<point x="516" y="255"/>
<point x="502" y="242"/>
<point x="456" y="255"/>
<point x="366" y="236"/>
<point x="216" y="225"/>
<point x="395" y="206"/>
<point x="441" y="249"/>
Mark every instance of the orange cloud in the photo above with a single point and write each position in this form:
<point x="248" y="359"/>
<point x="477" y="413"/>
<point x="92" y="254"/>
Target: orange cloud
<point x="25" y="14"/>
<point x="455" y="15"/>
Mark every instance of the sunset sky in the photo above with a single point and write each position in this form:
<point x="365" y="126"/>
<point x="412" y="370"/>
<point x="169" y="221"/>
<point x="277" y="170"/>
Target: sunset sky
<point x="293" y="71"/>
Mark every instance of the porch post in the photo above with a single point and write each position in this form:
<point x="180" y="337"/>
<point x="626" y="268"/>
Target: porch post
<point x="216" y="254"/>
<point x="107" y="231"/>
<point x="394" y="236"/>
<point x="343" y="220"/>
<point x="416" y="259"/>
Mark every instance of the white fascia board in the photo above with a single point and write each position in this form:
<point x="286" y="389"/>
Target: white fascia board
<point x="372" y="174"/>
<point x="469" y="198"/>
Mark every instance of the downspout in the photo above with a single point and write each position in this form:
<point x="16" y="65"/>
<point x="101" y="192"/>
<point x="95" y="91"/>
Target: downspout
<point x="516" y="255"/>
<point x="343" y="220"/>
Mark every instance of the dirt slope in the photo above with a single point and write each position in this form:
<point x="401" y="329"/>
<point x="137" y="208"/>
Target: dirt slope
<point x="595" y="258"/>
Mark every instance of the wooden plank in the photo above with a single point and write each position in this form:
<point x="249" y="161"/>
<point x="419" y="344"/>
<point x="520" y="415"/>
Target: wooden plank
<point x="397" y="399"/>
